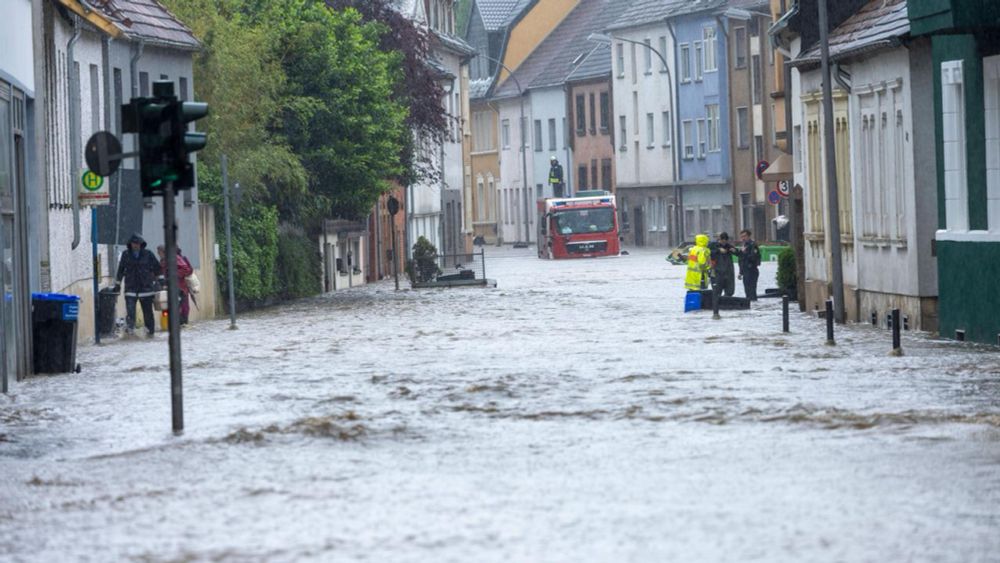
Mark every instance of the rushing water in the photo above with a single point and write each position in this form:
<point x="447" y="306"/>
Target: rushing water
<point x="574" y="413"/>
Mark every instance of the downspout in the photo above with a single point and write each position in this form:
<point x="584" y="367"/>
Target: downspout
<point x="678" y="192"/>
<point x="133" y="67"/>
<point x="839" y="78"/>
<point x="73" y="90"/>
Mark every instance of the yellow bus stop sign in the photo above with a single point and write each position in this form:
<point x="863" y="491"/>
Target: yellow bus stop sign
<point x="91" y="181"/>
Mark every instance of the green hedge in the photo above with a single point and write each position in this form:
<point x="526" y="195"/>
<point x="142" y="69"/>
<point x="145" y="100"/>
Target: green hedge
<point x="299" y="272"/>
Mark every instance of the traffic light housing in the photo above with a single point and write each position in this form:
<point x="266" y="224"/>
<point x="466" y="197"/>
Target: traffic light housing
<point x="164" y="141"/>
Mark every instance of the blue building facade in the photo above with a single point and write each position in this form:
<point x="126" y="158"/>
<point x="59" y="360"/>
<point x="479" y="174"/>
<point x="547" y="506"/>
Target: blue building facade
<point x="703" y="121"/>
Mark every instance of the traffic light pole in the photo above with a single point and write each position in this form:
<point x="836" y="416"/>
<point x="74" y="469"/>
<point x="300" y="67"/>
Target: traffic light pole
<point x="173" y="300"/>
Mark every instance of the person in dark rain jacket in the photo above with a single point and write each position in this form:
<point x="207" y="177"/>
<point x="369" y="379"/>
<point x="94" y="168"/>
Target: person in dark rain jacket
<point x="749" y="264"/>
<point x="139" y="269"/>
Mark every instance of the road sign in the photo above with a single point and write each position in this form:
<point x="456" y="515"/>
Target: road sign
<point x="783" y="187"/>
<point x="761" y="167"/>
<point x="103" y="153"/>
<point x="773" y="197"/>
<point x="93" y="190"/>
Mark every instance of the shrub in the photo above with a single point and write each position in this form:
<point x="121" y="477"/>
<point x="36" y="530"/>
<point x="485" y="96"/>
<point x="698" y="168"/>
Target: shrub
<point x="787" y="281"/>
<point x="423" y="267"/>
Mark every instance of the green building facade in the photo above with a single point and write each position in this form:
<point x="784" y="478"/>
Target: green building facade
<point x="965" y="39"/>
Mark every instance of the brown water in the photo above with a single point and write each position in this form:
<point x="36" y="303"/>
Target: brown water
<point x="572" y="414"/>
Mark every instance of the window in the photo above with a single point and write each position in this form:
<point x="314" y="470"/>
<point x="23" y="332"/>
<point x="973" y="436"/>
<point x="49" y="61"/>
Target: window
<point x="605" y="111"/>
<point x="797" y="152"/>
<point x="702" y="137"/>
<point x="623" y="140"/>
<point x="774" y="129"/>
<point x="685" y="62"/>
<point x="143" y="84"/>
<point x="606" y="174"/>
<point x="581" y="175"/>
<point x="635" y="74"/>
<point x="667" y="128"/>
<point x="743" y="128"/>
<point x="552" y="134"/>
<point x="711" y="64"/>
<point x="95" y="99"/>
<point x="650" y="136"/>
<point x="538" y="135"/>
<point x="758" y="147"/>
<point x="755" y="78"/>
<point x="505" y="133"/>
<point x="651" y="209"/>
<point x="524" y="132"/>
<point x="593" y="115"/>
<point x="754" y="27"/>
<point x="482" y="131"/>
<point x="712" y="111"/>
<point x="581" y="115"/>
<point x="117" y="102"/>
<point x="649" y="55"/>
<point x="663" y="51"/>
<point x="480" y="198"/>
<point x="740" y="47"/>
<point x="621" y="60"/>
<point x="688" y="139"/>
<point x="699" y="60"/>
<point x="594" y="180"/>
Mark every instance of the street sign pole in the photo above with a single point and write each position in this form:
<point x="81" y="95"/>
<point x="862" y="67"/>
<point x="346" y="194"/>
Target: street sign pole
<point x="97" y="272"/>
<point x="229" y="244"/>
<point x="392" y="205"/>
<point x="173" y="302"/>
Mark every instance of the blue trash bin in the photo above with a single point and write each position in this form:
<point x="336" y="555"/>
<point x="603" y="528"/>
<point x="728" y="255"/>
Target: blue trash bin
<point x="692" y="302"/>
<point x="53" y="328"/>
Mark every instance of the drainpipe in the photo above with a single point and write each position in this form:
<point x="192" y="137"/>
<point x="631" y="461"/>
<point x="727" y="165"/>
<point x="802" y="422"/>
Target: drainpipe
<point x="676" y="153"/>
<point x="73" y="90"/>
<point x="133" y="67"/>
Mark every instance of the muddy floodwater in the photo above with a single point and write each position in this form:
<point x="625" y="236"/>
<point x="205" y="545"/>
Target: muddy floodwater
<point x="574" y="413"/>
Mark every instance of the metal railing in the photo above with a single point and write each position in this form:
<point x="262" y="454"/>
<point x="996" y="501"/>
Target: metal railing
<point x="469" y="265"/>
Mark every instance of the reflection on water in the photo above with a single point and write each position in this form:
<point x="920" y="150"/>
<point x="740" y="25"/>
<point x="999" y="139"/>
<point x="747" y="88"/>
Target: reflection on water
<point x="573" y="413"/>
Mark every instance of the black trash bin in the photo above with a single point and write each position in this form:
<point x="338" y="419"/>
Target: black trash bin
<point x="108" y="305"/>
<point x="53" y="327"/>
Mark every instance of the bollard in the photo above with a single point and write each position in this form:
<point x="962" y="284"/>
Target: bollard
<point x="897" y="348"/>
<point x="784" y="313"/>
<point x="829" y="323"/>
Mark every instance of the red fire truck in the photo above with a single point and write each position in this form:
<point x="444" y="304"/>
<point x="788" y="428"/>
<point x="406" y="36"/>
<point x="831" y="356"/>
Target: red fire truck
<point x="578" y="227"/>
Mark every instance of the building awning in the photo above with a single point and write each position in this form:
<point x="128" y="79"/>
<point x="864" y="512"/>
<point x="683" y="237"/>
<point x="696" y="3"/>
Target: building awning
<point x="780" y="169"/>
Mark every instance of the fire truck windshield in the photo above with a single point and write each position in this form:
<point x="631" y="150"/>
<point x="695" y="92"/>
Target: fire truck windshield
<point x="579" y="221"/>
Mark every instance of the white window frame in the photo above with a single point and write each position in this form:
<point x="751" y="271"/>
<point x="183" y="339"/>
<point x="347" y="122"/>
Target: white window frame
<point x="687" y="132"/>
<point x="667" y="128"/>
<point x="505" y="134"/>
<point x="649" y="55"/>
<point x="650" y="131"/>
<point x="709" y="38"/>
<point x="685" y="50"/>
<point x="743" y="128"/>
<point x="622" y="130"/>
<point x="699" y="61"/>
<point x="621" y="59"/>
<point x="702" y="134"/>
<point x="712" y="111"/>
<point x="663" y="51"/>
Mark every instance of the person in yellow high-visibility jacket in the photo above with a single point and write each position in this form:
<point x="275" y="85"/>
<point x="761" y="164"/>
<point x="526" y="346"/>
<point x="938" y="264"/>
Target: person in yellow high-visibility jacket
<point x="699" y="264"/>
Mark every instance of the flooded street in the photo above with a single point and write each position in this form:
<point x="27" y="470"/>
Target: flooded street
<point x="574" y="413"/>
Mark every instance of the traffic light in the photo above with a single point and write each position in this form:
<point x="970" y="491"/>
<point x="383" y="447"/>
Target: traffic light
<point x="184" y="142"/>
<point x="164" y="142"/>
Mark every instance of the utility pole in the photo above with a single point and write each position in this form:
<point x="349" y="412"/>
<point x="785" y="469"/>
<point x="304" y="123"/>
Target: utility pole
<point x="229" y="243"/>
<point x="833" y="203"/>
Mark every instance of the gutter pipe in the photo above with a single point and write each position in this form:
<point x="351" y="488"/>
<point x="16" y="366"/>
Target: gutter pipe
<point x="73" y="90"/>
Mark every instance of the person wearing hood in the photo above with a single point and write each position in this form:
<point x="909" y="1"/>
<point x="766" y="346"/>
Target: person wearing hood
<point x="184" y="270"/>
<point x="723" y="270"/>
<point x="698" y="264"/>
<point x="139" y="268"/>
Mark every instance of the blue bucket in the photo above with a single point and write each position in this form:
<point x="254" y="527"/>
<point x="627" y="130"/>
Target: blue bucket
<point x="692" y="302"/>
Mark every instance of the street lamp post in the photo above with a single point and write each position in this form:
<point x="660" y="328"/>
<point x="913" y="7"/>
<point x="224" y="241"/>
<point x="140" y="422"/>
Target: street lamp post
<point x="608" y="40"/>
<point x="524" y="152"/>
<point x="832" y="199"/>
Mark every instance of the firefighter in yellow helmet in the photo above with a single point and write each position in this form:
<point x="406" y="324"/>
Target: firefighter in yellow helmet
<point x="698" y="264"/>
